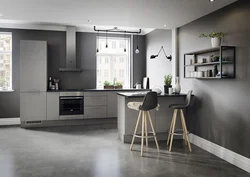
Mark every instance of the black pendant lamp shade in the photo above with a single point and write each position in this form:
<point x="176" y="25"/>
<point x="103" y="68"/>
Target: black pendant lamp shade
<point x="106" y="40"/>
<point x="97" y="50"/>
<point x="125" y="42"/>
<point x="137" y="48"/>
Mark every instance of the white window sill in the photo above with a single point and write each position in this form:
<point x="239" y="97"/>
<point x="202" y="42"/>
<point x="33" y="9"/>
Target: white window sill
<point x="7" y="91"/>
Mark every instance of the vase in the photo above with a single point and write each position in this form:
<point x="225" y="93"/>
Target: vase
<point x="215" y="42"/>
<point x="166" y="87"/>
<point x="177" y="86"/>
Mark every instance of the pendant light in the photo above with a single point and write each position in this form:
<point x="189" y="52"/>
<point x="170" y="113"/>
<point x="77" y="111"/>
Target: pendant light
<point x="97" y="50"/>
<point x="106" y="40"/>
<point x="137" y="48"/>
<point x="125" y="42"/>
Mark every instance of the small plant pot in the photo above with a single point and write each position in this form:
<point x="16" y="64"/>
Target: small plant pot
<point x="166" y="87"/>
<point x="109" y="87"/>
<point x="216" y="42"/>
<point x="118" y="87"/>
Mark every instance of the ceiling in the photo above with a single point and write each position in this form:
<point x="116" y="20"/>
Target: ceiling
<point x="146" y="14"/>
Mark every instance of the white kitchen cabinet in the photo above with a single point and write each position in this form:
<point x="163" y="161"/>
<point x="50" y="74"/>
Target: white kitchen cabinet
<point x="95" y="100"/>
<point x="111" y="104"/>
<point x="95" y="105"/>
<point x="95" y="112"/>
<point x="53" y="105"/>
<point x="33" y="106"/>
<point x="33" y="66"/>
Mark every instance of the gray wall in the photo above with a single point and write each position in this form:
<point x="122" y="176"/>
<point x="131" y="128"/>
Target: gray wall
<point x="222" y="106"/>
<point x="86" y="59"/>
<point x="160" y="66"/>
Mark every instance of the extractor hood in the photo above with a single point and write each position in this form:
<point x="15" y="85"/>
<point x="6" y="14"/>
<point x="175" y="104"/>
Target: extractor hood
<point x="70" y="51"/>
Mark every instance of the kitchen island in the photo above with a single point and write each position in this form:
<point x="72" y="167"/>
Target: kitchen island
<point x="161" y="119"/>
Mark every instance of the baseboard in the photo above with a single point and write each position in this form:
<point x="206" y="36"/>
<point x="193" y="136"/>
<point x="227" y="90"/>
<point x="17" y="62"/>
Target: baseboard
<point x="221" y="152"/>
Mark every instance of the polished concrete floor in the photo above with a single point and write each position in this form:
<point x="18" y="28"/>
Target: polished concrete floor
<point x="75" y="152"/>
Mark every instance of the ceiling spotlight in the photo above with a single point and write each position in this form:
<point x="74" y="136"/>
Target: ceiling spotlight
<point x="211" y="0"/>
<point x="165" y="25"/>
<point x="89" y="20"/>
<point x="1" y="15"/>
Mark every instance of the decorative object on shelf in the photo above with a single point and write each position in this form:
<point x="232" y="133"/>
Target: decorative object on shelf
<point x="204" y="60"/>
<point x="216" y="58"/>
<point x="215" y="38"/>
<point x="200" y="74"/>
<point x="177" y="88"/>
<point x="215" y="71"/>
<point x="209" y="73"/>
<point x="169" y="57"/>
<point x="167" y="82"/>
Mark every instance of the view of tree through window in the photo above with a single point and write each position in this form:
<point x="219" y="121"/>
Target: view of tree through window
<point x="5" y="61"/>
<point x="113" y="62"/>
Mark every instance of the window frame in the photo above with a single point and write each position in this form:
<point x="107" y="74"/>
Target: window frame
<point x="99" y="54"/>
<point x="10" y="88"/>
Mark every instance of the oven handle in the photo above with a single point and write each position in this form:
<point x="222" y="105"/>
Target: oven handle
<point x="70" y="98"/>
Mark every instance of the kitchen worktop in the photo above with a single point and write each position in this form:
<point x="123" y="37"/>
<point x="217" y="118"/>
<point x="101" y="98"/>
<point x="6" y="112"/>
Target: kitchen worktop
<point x="143" y="93"/>
<point x="97" y="90"/>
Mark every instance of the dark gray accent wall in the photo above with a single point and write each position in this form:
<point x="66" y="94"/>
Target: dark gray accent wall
<point x="160" y="66"/>
<point x="86" y="59"/>
<point x="222" y="112"/>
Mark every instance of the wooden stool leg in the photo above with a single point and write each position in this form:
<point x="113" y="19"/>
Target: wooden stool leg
<point x="136" y="127"/>
<point x="142" y="133"/>
<point x="186" y="132"/>
<point x="172" y="133"/>
<point x="146" y="129"/>
<point x="153" y="130"/>
<point x="170" y="129"/>
<point x="183" y="128"/>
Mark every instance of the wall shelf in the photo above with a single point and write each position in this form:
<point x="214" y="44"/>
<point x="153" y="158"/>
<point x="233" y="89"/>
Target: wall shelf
<point x="201" y="61"/>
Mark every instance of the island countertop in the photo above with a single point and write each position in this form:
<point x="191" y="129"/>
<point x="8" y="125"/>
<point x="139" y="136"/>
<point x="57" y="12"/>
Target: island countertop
<point x="143" y="93"/>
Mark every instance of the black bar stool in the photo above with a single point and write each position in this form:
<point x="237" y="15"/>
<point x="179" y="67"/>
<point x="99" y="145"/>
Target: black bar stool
<point x="150" y="102"/>
<point x="179" y="107"/>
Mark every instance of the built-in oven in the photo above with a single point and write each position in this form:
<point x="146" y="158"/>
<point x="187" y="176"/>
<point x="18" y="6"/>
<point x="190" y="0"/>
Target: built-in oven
<point x="71" y="105"/>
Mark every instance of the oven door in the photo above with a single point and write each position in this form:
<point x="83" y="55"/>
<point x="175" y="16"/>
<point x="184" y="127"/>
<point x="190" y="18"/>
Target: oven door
<point x="71" y="105"/>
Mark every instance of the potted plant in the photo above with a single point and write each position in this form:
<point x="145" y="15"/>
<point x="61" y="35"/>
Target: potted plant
<point x="167" y="82"/>
<point x="118" y="85"/>
<point x="108" y="85"/>
<point x="215" y="38"/>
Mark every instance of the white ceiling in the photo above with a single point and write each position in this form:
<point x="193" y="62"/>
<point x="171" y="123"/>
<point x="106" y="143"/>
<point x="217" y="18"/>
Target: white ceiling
<point x="146" y="14"/>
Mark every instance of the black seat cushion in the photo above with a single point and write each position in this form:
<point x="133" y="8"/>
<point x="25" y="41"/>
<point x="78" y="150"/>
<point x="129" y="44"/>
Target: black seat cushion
<point x="177" y="106"/>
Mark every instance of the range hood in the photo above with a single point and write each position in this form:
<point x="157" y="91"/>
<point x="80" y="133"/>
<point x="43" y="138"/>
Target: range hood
<point x="70" y="51"/>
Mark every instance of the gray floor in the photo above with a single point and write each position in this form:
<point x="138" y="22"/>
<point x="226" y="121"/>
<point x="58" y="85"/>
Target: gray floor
<point x="75" y="152"/>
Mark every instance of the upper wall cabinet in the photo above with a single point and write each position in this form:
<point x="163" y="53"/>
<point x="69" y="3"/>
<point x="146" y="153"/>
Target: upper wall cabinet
<point x="213" y="63"/>
<point x="33" y="66"/>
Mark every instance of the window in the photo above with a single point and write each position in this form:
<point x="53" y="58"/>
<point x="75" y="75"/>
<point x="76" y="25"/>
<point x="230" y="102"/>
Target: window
<point x="113" y="44"/>
<point x="5" y="61"/>
<point x="116" y="62"/>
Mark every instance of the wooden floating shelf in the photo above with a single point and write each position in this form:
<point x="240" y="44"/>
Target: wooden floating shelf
<point x="211" y="63"/>
<point x="208" y="78"/>
<point x="215" y="49"/>
<point x="221" y="51"/>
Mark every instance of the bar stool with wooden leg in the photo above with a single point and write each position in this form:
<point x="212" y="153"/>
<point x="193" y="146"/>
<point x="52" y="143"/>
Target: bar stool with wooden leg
<point x="150" y="102"/>
<point x="179" y="107"/>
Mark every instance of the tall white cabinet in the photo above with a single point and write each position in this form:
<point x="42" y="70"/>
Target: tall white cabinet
<point x="33" y="80"/>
